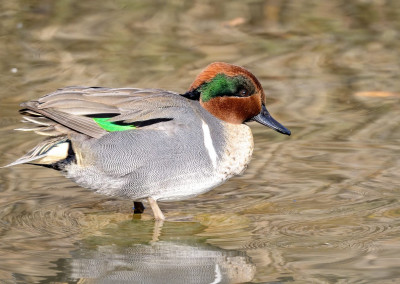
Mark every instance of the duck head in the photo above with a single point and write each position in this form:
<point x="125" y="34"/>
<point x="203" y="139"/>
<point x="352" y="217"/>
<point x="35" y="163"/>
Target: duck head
<point x="232" y="94"/>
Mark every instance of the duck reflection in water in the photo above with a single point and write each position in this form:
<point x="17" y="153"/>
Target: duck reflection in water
<point x="177" y="261"/>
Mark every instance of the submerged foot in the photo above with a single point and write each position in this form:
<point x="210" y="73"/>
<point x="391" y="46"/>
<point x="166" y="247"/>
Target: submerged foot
<point x="138" y="207"/>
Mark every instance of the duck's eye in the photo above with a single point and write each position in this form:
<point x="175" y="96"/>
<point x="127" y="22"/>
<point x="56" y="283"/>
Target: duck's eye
<point x="243" y="93"/>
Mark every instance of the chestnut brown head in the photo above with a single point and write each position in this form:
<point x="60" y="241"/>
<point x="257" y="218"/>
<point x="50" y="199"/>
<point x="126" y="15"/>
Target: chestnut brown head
<point x="232" y="94"/>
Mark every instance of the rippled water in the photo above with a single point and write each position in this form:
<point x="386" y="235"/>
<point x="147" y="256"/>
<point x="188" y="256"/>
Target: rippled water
<point x="321" y="206"/>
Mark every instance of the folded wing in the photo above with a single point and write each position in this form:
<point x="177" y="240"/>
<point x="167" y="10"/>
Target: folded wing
<point x="92" y="111"/>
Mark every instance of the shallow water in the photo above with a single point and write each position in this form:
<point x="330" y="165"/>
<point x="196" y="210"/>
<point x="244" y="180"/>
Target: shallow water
<point x="321" y="206"/>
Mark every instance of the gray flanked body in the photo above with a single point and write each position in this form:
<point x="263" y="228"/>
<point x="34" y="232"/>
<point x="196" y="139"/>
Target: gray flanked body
<point x="172" y="160"/>
<point x="177" y="151"/>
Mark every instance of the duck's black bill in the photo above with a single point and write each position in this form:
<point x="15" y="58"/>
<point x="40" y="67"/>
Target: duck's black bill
<point x="266" y="119"/>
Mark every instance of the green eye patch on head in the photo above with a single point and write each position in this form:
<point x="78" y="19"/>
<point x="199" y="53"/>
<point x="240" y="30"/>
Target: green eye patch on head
<point x="222" y="85"/>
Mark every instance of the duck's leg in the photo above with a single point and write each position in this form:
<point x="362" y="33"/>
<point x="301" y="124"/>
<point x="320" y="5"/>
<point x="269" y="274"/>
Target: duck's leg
<point x="138" y="207"/>
<point x="158" y="215"/>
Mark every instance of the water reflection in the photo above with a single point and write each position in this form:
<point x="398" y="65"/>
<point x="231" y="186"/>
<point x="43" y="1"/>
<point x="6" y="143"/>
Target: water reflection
<point x="119" y="258"/>
<point x="162" y="262"/>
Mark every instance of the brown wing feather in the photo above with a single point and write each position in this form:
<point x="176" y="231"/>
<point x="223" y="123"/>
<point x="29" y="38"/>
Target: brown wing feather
<point x="81" y="124"/>
<point x="71" y="107"/>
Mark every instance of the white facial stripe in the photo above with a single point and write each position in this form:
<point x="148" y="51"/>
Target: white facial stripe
<point x="209" y="144"/>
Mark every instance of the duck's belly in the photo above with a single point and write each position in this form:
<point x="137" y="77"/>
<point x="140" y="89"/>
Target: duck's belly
<point x="135" y="186"/>
<point x="179" y="187"/>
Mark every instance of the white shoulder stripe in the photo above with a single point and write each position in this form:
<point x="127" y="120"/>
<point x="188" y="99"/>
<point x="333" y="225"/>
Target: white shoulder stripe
<point x="218" y="275"/>
<point x="209" y="144"/>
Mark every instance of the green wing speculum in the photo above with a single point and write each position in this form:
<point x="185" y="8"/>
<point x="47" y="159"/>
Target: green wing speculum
<point x="111" y="126"/>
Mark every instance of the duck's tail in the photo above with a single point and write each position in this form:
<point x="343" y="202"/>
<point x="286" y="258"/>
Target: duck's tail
<point x="53" y="151"/>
